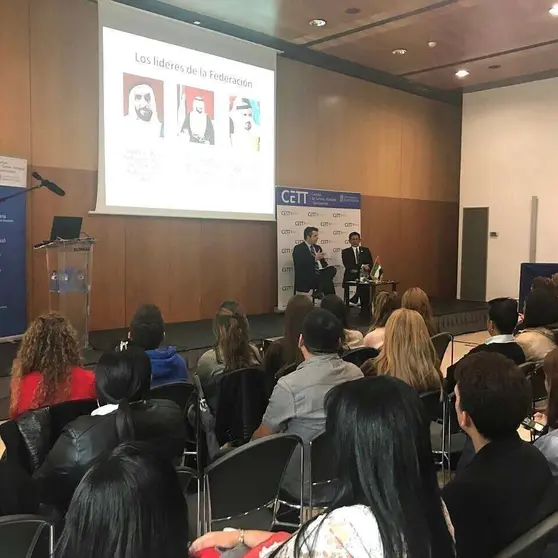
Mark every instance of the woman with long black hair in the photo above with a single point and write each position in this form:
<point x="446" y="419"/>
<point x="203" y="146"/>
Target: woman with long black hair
<point x="122" y="382"/>
<point x="387" y="502"/>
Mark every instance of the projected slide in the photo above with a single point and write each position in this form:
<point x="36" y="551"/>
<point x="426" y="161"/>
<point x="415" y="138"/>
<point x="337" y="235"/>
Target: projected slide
<point x="184" y="132"/>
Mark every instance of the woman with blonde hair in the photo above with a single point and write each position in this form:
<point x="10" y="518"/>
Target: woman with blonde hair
<point x="385" y="304"/>
<point x="47" y="368"/>
<point x="416" y="299"/>
<point x="408" y="353"/>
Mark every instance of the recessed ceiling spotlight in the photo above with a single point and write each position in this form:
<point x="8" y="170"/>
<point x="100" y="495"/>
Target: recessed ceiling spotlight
<point x="196" y="22"/>
<point x="554" y="10"/>
<point x="461" y="74"/>
<point x="399" y="51"/>
<point x="353" y="11"/>
<point x="317" y="22"/>
<point x="432" y="44"/>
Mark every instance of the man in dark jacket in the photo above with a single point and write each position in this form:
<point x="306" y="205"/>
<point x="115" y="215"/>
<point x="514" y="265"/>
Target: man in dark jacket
<point x="508" y="486"/>
<point x="354" y="258"/>
<point x="122" y="381"/>
<point x="312" y="272"/>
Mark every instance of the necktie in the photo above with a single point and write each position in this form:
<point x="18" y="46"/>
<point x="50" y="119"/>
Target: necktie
<point x="313" y="250"/>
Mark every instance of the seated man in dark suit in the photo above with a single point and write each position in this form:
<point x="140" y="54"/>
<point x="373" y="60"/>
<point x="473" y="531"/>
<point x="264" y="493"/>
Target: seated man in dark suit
<point x="502" y="320"/>
<point x="354" y="258"/>
<point x="312" y="272"/>
<point x="508" y="486"/>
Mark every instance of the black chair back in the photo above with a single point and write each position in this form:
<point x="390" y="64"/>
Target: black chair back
<point x="26" y="536"/>
<point x="441" y="342"/>
<point x="286" y="370"/>
<point x="537" y="379"/>
<point x="179" y="392"/>
<point x="528" y="368"/>
<point x="432" y="401"/>
<point x="249" y="478"/>
<point x="533" y="543"/>
<point x="243" y="398"/>
<point x="360" y="356"/>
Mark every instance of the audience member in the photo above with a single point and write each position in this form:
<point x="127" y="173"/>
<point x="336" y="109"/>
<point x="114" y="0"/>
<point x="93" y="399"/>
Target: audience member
<point x="284" y="352"/>
<point x="502" y="320"/>
<point x="352" y="337"/>
<point x="548" y="444"/>
<point x="540" y="317"/>
<point x="129" y="504"/>
<point x="554" y="280"/>
<point x="147" y="330"/>
<point x="18" y="494"/>
<point x="387" y="502"/>
<point x="47" y="368"/>
<point x="232" y="348"/>
<point x="122" y="381"/>
<point x="408" y="353"/>
<point x="543" y="284"/>
<point x="416" y="299"/>
<point x="385" y="304"/>
<point x="507" y="488"/>
<point x="297" y="403"/>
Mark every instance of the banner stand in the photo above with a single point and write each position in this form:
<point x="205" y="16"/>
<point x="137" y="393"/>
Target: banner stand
<point x="334" y="214"/>
<point x="13" y="311"/>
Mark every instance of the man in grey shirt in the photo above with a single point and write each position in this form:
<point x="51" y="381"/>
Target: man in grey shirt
<point x="297" y="403"/>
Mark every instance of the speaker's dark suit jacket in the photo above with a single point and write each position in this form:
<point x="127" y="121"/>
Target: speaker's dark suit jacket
<point x="306" y="275"/>
<point x="352" y="267"/>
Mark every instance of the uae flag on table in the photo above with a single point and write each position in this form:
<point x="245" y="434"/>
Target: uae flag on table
<point x="377" y="270"/>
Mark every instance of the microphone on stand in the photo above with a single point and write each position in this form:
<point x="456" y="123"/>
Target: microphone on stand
<point x="54" y="188"/>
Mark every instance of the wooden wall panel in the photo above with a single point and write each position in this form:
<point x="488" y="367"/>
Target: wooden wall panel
<point x="64" y="83"/>
<point x="15" y="131"/>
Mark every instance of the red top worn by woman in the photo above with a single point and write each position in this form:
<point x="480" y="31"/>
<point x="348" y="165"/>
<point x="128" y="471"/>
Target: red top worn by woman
<point x="82" y="386"/>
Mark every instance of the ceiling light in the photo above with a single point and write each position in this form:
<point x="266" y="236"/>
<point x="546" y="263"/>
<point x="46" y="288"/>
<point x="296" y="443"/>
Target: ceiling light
<point x="197" y="22"/>
<point x="554" y="10"/>
<point x="317" y="22"/>
<point x="461" y="74"/>
<point x="495" y="66"/>
<point x="352" y="11"/>
<point x="432" y="44"/>
<point x="399" y="51"/>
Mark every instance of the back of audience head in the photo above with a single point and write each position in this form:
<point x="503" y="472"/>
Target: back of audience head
<point x="230" y="327"/>
<point x="551" y="374"/>
<point x="50" y="346"/>
<point x="147" y="328"/>
<point x="337" y="307"/>
<point x="322" y="333"/>
<point x="297" y="309"/>
<point x="129" y="504"/>
<point x="122" y="378"/>
<point x="385" y="304"/>
<point x="492" y="395"/>
<point x="386" y="464"/>
<point x="502" y="316"/>
<point x="543" y="284"/>
<point x="541" y="309"/>
<point x="416" y="299"/>
<point x="408" y="352"/>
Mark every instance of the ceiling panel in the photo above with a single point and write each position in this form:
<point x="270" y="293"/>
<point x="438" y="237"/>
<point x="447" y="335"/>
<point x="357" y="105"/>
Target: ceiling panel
<point x="533" y="63"/>
<point x="288" y="19"/>
<point x="462" y="30"/>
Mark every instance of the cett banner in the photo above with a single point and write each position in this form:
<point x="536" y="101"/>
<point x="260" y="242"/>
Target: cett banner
<point x="335" y="214"/>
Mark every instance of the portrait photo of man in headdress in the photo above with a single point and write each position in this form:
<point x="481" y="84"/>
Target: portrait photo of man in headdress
<point x="143" y="106"/>
<point x="196" y="114"/>
<point x="244" y="123"/>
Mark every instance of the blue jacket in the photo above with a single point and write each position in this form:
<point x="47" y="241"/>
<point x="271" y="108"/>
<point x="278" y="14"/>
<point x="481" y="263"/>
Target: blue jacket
<point x="167" y="366"/>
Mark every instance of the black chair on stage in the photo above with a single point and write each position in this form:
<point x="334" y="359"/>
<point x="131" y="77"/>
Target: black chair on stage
<point x="441" y="342"/>
<point x="240" y="489"/>
<point x="26" y="536"/>
<point x="360" y="356"/>
<point x="179" y="392"/>
<point x="539" y="542"/>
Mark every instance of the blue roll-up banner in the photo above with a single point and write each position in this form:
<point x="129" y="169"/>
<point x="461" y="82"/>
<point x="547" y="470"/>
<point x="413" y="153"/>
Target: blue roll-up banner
<point x="13" y="312"/>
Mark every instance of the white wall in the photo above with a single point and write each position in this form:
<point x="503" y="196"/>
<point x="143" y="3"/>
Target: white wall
<point x="509" y="154"/>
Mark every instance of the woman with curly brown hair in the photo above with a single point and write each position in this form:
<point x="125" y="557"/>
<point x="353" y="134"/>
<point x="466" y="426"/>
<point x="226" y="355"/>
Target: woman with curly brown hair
<point x="47" y="368"/>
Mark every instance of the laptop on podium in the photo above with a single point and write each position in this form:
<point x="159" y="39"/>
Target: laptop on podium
<point x="66" y="228"/>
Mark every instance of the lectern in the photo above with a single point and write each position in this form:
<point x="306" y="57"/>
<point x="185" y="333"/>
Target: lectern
<point x="69" y="264"/>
